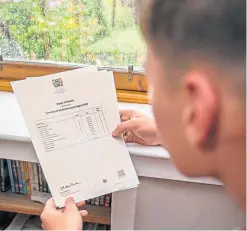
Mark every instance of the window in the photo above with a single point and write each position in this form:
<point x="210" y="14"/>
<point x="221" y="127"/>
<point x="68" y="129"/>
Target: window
<point x="39" y="37"/>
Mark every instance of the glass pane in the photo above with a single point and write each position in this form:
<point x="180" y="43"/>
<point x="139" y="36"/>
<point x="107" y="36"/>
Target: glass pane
<point x="101" y="32"/>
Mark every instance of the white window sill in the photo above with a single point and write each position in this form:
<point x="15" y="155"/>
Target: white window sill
<point x="149" y="161"/>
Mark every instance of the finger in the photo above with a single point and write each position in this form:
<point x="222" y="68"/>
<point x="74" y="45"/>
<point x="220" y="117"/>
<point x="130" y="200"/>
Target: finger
<point x="70" y="205"/>
<point x="126" y="139"/>
<point x="83" y="213"/>
<point x="43" y="227"/>
<point x="125" y="114"/>
<point x="80" y="204"/>
<point x="132" y="125"/>
<point x="128" y="114"/>
<point x="129" y="137"/>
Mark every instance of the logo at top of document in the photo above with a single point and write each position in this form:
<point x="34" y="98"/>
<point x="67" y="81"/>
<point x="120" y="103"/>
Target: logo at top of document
<point x="57" y="82"/>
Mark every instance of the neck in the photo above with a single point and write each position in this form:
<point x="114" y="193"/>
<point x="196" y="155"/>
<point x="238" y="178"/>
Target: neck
<point x="233" y="173"/>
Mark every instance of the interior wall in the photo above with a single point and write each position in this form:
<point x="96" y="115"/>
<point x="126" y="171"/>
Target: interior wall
<point x="166" y="204"/>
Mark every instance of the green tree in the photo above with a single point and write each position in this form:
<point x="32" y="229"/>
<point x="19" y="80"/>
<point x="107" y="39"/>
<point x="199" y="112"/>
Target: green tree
<point x="69" y="30"/>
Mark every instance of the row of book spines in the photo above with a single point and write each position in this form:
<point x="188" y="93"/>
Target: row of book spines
<point x="104" y="200"/>
<point x="95" y="226"/>
<point x="19" y="174"/>
<point x="26" y="176"/>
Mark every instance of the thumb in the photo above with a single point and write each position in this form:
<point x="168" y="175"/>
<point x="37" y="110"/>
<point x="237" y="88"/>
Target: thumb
<point x="131" y="125"/>
<point x="70" y="205"/>
<point x="83" y="213"/>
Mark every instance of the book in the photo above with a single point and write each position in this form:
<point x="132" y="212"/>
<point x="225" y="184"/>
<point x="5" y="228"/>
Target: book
<point x="40" y="177"/>
<point x="33" y="172"/>
<point x="93" y="201"/>
<point x="23" y="178"/>
<point x="12" y="183"/>
<point x="102" y="227"/>
<point x="76" y="115"/>
<point x="107" y="200"/>
<point x="102" y="200"/>
<point x="44" y="183"/>
<point x="27" y="177"/>
<point x="19" y="177"/>
<point x="13" y="164"/>
<point x="90" y="226"/>
<point x="4" y="175"/>
<point x="97" y="199"/>
<point x="95" y="226"/>
<point x="40" y="196"/>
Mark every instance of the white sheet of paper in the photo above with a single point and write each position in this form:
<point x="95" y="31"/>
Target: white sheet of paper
<point x="80" y="70"/>
<point x="70" y="121"/>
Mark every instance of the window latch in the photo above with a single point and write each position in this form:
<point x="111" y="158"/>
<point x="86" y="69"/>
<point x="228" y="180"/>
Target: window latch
<point x="130" y="72"/>
<point x="1" y="60"/>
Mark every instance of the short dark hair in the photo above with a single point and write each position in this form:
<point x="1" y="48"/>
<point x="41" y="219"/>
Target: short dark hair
<point x="217" y="27"/>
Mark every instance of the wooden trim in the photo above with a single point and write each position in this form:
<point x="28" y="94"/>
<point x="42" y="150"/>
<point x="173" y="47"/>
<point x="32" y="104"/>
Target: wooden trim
<point x="12" y="70"/>
<point x="5" y="85"/>
<point x="122" y="95"/>
<point x="22" y="204"/>
<point x="132" y="97"/>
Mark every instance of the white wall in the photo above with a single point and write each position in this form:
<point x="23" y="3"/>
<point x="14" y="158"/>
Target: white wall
<point x="166" y="204"/>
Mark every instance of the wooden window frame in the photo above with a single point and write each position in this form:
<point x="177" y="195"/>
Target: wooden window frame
<point x="131" y="86"/>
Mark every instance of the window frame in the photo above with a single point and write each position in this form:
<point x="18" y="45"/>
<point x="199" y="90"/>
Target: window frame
<point x="131" y="86"/>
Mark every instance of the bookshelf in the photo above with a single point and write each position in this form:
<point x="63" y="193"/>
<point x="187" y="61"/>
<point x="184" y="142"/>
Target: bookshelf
<point x="17" y="203"/>
<point x="20" y="179"/>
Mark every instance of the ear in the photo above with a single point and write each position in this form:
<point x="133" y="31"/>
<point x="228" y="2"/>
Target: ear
<point x="200" y="113"/>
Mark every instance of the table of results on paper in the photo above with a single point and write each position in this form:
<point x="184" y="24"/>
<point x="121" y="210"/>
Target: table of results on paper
<point x="73" y="128"/>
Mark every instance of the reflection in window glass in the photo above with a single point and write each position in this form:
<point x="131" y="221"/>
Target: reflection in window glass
<point x="101" y="32"/>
